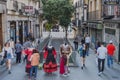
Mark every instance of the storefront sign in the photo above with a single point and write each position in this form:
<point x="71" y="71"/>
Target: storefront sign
<point x="95" y="25"/>
<point x="111" y="2"/>
<point x="29" y="9"/>
<point x="111" y="25"/>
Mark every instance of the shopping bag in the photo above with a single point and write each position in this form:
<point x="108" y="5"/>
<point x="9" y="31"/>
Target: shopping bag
<point x="40" y="66"/>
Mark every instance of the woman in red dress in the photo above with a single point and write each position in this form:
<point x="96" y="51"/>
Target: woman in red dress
<point x="50" y="64"/>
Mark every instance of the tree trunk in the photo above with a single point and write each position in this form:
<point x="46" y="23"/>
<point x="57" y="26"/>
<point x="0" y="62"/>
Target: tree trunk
<point x="66" y="33"/>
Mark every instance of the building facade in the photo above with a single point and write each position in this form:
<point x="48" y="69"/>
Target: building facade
<point x="111" y="24"/>
<point x="22" y="19"/>
<point x="2" y="22"/>
<point x="103" y="22"/>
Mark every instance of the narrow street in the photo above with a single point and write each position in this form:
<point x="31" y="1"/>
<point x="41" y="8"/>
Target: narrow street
<point x="76" y="73"/>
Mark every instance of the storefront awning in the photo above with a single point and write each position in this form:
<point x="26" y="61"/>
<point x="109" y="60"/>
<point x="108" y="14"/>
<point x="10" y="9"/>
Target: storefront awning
<point x="95" y="25"/>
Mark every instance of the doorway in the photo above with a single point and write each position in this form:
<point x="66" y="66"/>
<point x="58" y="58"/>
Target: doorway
<point x="20" y="32"/>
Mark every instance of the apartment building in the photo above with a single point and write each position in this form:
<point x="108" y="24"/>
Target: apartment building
<point x="103" y="22"/>
<point x="22" y="19"/>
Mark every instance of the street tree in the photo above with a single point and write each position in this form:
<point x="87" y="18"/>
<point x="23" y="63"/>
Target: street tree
<point x="58" y="12"/>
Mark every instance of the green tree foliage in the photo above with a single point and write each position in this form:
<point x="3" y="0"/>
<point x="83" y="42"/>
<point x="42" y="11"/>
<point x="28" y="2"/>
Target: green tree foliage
<point x="58" y="11"/>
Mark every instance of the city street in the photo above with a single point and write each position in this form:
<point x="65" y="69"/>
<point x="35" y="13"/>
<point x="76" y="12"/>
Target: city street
<point x="76" y="73"/>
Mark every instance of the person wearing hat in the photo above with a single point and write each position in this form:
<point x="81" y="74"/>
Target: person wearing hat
<point x="110" y="53"/>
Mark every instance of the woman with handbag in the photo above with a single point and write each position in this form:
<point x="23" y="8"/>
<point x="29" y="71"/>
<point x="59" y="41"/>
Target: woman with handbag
<point x="8" y="55"/>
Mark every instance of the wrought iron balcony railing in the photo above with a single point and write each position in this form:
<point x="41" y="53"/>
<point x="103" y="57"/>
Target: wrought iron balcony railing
<point x="94" y="15"/>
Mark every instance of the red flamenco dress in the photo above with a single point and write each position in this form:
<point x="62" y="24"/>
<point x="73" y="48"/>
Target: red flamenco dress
<point x="50" y="64"/>
<point x="63" y="61"/>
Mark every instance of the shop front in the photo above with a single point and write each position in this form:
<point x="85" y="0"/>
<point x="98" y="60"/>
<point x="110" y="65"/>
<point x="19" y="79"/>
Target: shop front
<point x="95" y="30"/>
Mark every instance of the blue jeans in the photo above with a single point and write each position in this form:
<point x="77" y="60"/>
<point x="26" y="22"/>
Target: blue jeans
<point x="87" y="49"/>
<point x="109" y="60"/>
<point x="33" y="69"/>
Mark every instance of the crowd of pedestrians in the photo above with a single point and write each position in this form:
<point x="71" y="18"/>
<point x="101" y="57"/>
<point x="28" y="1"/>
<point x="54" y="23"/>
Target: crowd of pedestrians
<point x="29" y="54"/>
<point x="102" y="53"/>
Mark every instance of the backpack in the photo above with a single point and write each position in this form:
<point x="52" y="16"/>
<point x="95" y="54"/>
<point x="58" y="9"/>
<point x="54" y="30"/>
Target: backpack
<point x="5" y="54"/>
<point x="80" y="49"/>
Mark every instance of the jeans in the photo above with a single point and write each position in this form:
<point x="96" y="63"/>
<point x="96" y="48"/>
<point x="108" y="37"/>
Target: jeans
<point x="87" y="49"/>
<point x="33" y="69"/>
<point x="18" y="57"/>
<point x="109" y="60"/>
<point x="101" y="63"/>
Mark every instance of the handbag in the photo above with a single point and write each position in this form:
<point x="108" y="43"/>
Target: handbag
<point x="2" y="62"/>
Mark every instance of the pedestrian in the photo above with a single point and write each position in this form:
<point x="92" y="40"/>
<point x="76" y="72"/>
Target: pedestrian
<point x="27" y="52"/>
<point x="87" y="42"/>
<point x="8" y="55"/>
<point x="101" y="52"/>
<point x="27" y="44"/>
<point x="76" y="43"/>
<point x="110" y="53"/>
<point x="18" y="51"/>
<point x="82" y="52"/>
<point x="67" y="50"/>
<point x="50" y="56"/>
<point x="35" y="57"/>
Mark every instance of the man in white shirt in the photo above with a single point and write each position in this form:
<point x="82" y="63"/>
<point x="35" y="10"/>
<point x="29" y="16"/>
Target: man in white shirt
<point x="102" y="52"/>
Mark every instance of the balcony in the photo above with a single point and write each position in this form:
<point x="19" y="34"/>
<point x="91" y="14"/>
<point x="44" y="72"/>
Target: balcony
<point x="94" y="15"/>
<point x="3" y="0"/>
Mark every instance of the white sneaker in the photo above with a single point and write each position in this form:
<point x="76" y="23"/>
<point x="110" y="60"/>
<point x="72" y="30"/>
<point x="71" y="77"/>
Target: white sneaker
<point x="65" y="75"/>
<point x="99" y="73"/>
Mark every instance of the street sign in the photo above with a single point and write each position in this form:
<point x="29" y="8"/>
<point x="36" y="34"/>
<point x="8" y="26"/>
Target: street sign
<point x="29" y="9"/>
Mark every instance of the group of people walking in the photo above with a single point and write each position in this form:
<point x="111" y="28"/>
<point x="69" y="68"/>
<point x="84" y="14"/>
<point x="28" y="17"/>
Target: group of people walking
<point x="101" y="51"/>
<point x="31" y="56"/>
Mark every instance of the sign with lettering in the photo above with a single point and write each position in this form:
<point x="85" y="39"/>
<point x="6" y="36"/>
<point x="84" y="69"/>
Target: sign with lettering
<point x="111" y="2"/>
<point x="29" y="9"/>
